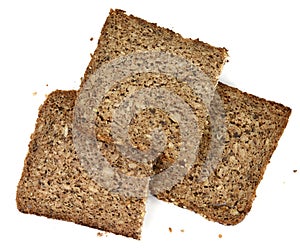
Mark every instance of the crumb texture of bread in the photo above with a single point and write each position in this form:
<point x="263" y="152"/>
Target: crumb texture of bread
<point x="254" y="127"/>
<point x="54" y="184"/>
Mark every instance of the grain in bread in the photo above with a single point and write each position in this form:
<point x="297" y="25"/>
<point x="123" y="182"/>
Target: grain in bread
<point x="254" y="127"/>
<point x="55" y="185"/>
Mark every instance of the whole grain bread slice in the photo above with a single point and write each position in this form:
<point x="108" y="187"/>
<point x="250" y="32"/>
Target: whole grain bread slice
<point x="253" y="129"/>
<point x="123" y="35"/>
<point x="54" y="183"/>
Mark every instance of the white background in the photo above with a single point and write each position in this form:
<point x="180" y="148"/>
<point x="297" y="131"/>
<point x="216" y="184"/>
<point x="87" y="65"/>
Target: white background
<point x="48" y="42"/>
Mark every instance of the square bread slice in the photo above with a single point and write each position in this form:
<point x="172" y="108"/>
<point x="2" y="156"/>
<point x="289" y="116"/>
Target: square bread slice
<point x="124" y="35"/>
<point x="55" y="185"/>
<point x="253" y="129"/>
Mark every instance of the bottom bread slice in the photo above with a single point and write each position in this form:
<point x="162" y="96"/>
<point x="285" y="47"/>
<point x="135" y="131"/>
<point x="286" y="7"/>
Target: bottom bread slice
<point x="53" y="183"/>
<point x="225" y="195"/>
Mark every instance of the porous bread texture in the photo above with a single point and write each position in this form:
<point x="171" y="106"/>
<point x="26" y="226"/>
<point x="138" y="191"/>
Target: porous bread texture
<point x="141" y="133"/>
<point x="254" y="127"/>
<point x="55" y="185"/>
<point x="124" y="34"/>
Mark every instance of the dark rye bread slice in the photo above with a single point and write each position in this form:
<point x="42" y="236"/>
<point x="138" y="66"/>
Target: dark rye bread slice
<point x="254" y="127"/>
<point x="124" y="34"/>
<point x="54" y="184"/>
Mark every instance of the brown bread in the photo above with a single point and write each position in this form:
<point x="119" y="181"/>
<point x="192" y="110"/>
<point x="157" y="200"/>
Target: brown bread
<point x="124" y="34"/>
<point x="254" y="127"/>
<point x="55" y="185"/>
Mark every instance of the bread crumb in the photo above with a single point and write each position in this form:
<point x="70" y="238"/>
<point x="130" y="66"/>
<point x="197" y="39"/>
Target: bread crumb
<point x="91" y="39"/>
<point x="220" y="235"/>
<point x="47" y="85"/>
<point x="295" y="171"/>
<point x="34" y="93"/>
<point x="170" y="229"/>
<point x="101" y="234"/>
<point x="182" y="230"/>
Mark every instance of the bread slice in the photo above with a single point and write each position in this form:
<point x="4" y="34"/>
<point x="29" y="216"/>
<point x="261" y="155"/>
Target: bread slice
<point x="55" y="185"/>
<point x="225" y="195"/>
<point x="123" y="35"/>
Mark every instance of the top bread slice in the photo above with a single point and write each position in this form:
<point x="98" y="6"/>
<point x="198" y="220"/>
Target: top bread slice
<point x="56" y="185"/>
<point x="123" y="35"/>
<point x="253" y="128"/>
